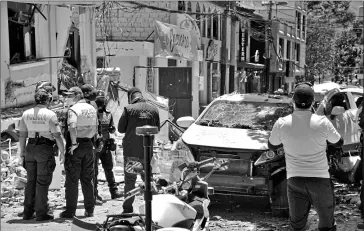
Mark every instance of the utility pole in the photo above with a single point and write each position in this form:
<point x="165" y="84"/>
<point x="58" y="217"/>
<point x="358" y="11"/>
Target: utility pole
<point x="268" y="35"/>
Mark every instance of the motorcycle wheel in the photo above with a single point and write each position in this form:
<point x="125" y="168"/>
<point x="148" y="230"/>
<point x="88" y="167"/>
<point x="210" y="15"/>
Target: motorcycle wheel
<point x="279" y="205"/>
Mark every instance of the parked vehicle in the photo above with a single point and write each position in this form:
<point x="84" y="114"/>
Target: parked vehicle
<point x="179" y="206"/>
<point x="237" y="127"/>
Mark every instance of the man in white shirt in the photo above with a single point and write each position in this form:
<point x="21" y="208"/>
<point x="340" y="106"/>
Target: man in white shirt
<point x="304" y="137"/>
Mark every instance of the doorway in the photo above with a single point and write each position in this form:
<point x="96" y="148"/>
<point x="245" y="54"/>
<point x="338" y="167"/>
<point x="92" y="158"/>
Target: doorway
<point x="175" y="83"/>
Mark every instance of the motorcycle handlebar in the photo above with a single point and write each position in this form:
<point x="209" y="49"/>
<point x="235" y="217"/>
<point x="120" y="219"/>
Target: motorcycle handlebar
<point x="196" y="164"/>
<point x="134" y="192"/>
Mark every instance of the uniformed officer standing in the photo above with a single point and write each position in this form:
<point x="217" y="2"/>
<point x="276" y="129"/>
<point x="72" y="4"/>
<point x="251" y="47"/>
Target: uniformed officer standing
<point x="79" y="162"/>
<point x="41" y="126"/>
<point x="105" y="155"/>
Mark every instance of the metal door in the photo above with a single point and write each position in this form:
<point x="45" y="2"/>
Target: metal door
<point x="176" y="84"/>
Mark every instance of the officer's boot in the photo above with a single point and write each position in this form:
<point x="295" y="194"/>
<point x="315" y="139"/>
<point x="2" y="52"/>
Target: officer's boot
<point x="115" y="193"/>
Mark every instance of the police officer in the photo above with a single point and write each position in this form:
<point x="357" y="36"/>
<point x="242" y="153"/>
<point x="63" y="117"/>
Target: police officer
<point x="105" y="155"/>
<point x="89" y="93"/>
<point x="41" y="126"/>
<point x="79" y="163"/>
<point x="138" y="113"/>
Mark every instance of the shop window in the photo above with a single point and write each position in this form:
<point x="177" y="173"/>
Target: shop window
<point x="100" y="62"/>
<point x="181" y="6"/>
<point x="208" y="24"/>
<point x="21" y="32"/>
<point x="189" y="7"/>
<point x="172" y="62"/>
<point x="215" y="26"/>
<point x="216" y="81"/>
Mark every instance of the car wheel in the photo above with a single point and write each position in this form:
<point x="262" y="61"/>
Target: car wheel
<point x="279" y="205"/>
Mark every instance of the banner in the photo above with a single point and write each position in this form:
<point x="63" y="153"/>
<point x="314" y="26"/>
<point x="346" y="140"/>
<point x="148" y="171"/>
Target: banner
<point x="173" y="42"/>
<point x="186" y="22"/>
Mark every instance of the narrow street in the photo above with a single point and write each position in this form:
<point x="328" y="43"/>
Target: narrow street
<point x="225" y="216"/>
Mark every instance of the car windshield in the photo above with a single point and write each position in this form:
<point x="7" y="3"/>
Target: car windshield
<point x="244" y="115"/>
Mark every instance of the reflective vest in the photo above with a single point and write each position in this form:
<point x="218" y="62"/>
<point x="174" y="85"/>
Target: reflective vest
<point x="37" y="119"/>
<point x="105" y="119"/>
<point x="86" y="119"/>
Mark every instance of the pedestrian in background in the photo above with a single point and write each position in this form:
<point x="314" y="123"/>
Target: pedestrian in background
<point x="40" y="125"/>
<point x="137" y="113"/>
<point x="79" y="162"/>
<point x="304" y="137"/>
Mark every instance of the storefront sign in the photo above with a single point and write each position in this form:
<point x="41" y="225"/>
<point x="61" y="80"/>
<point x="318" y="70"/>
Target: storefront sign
<point x="186" y="22"/>
<point x="212" y="49"/>
<point x="173" y="42"/>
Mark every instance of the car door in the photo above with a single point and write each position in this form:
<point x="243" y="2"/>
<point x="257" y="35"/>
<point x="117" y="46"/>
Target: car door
<point x="346" y="124"/>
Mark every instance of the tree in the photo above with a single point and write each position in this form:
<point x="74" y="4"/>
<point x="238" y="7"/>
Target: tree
<point x="323" y="17"/>
<point x="348" y="55"/>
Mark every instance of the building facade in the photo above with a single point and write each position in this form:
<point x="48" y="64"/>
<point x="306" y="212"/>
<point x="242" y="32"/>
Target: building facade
<point x="287" y="50"/>
<point x="34" y="38"/>
<point x="126" y="39"/>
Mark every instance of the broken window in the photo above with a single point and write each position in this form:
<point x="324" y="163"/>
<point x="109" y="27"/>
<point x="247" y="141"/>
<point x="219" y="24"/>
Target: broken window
<point x="181" y="5"/>
<point x="21" y="32"/>
<point x="189" y="7"/>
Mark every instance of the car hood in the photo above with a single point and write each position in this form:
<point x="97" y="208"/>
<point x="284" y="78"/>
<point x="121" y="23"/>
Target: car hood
<point x="234" y="138"/>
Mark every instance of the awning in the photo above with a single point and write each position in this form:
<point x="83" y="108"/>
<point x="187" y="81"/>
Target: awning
<point x="251" y="65"/>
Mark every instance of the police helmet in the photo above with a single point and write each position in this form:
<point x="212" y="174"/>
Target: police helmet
<point x="41" y="96"/>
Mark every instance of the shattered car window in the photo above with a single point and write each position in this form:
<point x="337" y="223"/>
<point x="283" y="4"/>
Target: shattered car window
<point x="244" y="115"/>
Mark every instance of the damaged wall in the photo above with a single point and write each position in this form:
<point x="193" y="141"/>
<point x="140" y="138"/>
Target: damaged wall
<point x="18" y="80"/>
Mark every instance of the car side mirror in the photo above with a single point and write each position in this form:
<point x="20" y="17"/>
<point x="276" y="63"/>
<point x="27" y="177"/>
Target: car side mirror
<point x="185" y="121"/>
<point x="337" y="110"/>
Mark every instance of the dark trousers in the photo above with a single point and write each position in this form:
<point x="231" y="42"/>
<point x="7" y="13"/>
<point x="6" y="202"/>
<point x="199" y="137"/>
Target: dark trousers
<point x="306" y="191"/>
<point x="106" y="160"/>
<point x="40" y="164"/>
<point x="130" y="180"/>
<point x="80" y="166"/>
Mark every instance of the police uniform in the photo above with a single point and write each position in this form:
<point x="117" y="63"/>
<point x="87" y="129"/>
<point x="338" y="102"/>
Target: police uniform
<point x="80" y="164"/>
<point x="106" y="125"/>
<point x="39" y="123"/>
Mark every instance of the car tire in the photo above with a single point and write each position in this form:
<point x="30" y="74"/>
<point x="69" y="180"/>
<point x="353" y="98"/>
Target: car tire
<point x="279" y="205"/>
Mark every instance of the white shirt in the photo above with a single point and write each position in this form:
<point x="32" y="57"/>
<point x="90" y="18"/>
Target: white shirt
<point x="304" y="135"/>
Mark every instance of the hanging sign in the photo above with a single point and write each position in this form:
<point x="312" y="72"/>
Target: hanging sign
<point x="173" y="42"/>
<point x="186" y="22"/>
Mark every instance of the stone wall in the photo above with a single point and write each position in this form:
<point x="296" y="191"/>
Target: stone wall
<point x="132" y="24"/>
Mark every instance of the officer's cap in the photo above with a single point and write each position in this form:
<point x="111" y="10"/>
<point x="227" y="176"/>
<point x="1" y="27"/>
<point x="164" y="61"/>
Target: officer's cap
<point x="74" y="90"/>
<point x="88" y="88"/>
<point x="41" y="96"/>
<point x="133" y="90"/>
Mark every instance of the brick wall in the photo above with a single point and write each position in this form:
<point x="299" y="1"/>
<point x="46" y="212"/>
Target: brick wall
<point x="132" y="24"/>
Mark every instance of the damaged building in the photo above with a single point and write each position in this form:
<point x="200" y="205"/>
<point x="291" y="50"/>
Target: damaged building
<point x="44" y="42"/>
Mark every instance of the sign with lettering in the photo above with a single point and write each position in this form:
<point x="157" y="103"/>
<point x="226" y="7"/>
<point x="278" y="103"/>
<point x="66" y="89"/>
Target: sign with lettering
<point x="174" y="42"/>
<point x="212" y="49"/>
<point x="186" y="22"/>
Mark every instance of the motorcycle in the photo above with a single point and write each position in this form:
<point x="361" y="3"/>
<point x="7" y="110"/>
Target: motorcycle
<point x="180" y="206"/>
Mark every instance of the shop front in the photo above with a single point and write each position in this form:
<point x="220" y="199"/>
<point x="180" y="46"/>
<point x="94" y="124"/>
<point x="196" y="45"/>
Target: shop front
<point x="210" y="70"/>
<point x="251" y="77"/>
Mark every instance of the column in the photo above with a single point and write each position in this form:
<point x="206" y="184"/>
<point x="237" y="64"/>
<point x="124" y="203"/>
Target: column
<point x="4" y="50"/>
<point x="88" y="44"/>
